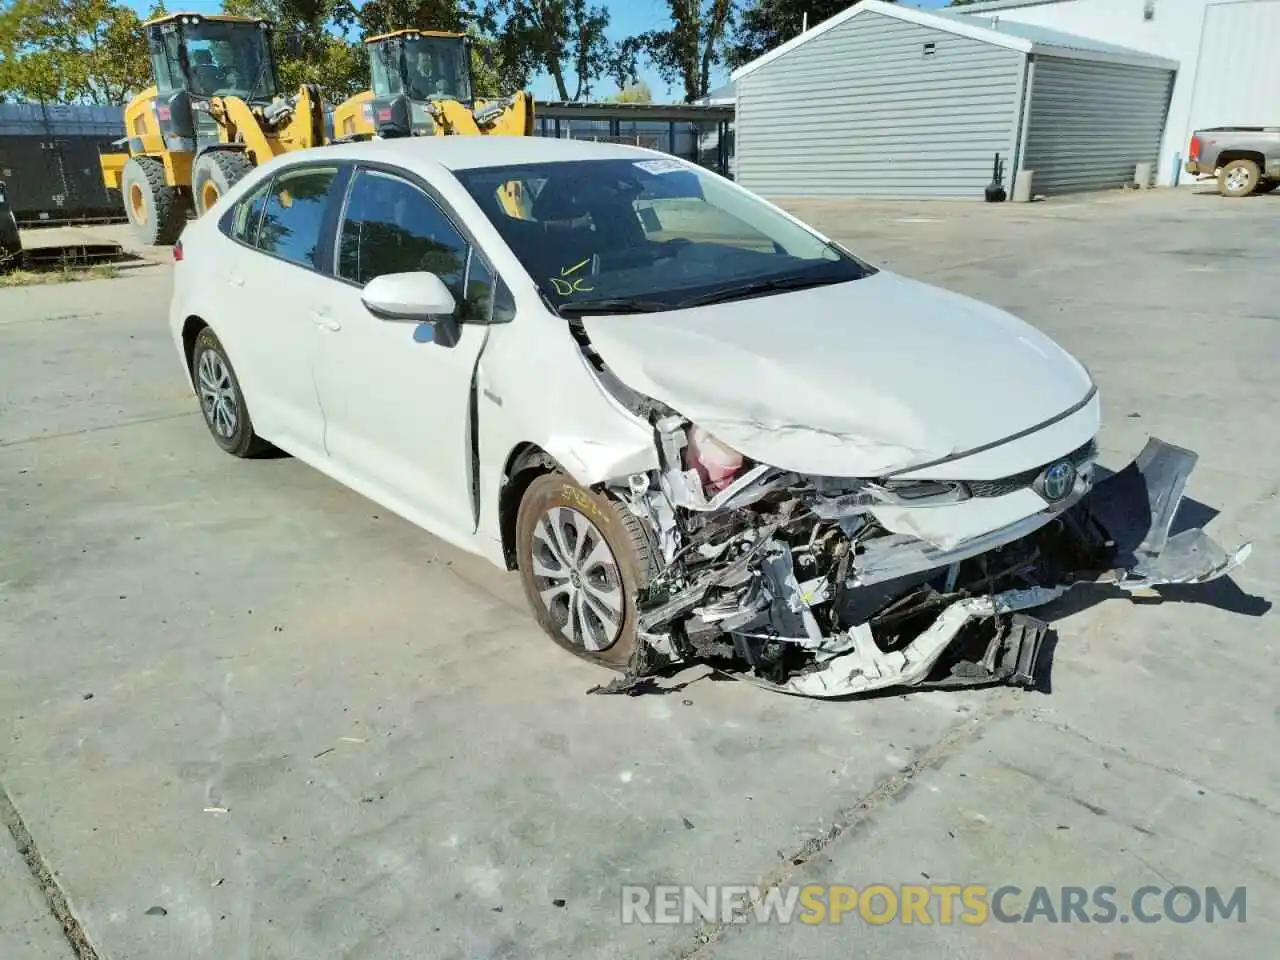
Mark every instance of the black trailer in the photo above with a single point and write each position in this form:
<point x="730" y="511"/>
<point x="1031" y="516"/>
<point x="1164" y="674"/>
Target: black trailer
<point x="49" y="161"/>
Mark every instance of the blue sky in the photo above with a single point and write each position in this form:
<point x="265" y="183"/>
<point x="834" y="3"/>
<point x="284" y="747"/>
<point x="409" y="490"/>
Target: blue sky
<point x="628" y="18"/>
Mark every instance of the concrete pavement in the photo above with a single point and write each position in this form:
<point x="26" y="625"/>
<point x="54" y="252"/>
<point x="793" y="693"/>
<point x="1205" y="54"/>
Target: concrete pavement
<point x="255" y="716"/>
<point x="28" y="930"/>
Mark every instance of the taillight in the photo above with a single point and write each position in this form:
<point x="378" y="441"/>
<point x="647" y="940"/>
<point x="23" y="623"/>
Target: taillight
<point x="1195" y="148"/>
<point x="177" y="252"/>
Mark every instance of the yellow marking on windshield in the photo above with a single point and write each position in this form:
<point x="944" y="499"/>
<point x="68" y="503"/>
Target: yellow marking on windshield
<point x="577" y="266"/>
<point x="565" y="287"/>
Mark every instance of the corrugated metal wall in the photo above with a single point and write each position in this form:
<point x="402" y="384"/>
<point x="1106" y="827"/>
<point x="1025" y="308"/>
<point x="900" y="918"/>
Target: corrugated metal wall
<point x="1238" y="77"/>
<point x="866" y="110"/>
<point x="1092" y="123"/>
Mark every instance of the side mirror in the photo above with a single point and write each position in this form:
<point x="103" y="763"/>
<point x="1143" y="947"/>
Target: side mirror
<point x="420" y="298"/>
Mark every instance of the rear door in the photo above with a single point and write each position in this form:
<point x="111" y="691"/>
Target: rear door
<point x="276" y="305"/>
<point x="397" y="406"/>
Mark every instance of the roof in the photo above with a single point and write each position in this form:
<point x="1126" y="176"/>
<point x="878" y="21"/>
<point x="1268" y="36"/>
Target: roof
<point x="1012" y="36"/>
<point x="414" y="33"/>
<point x="725" y="94"/>
<point x="460" y="153"/>
<point x="612" y="110"/>
<point x="220" y="17"/>
<point x="982" y="6"/>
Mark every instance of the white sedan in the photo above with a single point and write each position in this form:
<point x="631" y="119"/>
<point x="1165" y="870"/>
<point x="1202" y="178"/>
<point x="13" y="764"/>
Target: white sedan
<point x="698" y="428"/>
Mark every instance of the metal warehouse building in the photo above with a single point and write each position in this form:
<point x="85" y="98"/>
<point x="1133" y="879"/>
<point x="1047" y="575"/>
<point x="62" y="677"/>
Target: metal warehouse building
<point x="1229" y="51"/>
<point x="890" y="101"/>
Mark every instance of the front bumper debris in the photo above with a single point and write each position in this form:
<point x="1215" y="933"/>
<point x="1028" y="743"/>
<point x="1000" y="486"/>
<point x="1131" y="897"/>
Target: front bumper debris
<point x="768" y="581"/>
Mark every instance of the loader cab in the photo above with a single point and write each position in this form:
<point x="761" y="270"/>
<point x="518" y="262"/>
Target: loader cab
<point x="412" y="68"/>
<point x="195" y="58"/>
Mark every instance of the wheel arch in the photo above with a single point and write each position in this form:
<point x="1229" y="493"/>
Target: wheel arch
<point x="525" y="463"/>
<point x="191" y="328"/>
<point x="1228" y="156"/>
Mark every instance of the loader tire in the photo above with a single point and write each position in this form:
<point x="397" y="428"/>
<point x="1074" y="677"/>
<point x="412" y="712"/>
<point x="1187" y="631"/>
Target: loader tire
<point x="155" y="209"/>
<point x="1239" y="178"/>
<point x="215" y="172"/>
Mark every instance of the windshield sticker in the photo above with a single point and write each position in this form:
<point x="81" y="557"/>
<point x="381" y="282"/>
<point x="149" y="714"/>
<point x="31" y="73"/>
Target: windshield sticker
<point x="567" y="284"/>
<point x="660" y="166"/>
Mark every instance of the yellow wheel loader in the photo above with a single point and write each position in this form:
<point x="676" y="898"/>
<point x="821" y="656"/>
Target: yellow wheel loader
<point x="422" y="87"/>
<point x="213" y="114"/>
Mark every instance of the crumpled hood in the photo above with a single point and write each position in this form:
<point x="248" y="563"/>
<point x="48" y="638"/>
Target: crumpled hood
<point x="856" y="379"/>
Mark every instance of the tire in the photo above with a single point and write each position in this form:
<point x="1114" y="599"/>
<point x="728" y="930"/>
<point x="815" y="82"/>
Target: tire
<point x="218" y="390"/>
<point x="155" y="209"/>
<point x="1238" y="178"/>
<point x="625" y="567"/>
<point x="1266" y="186"/>
<point x="215" y="172"/>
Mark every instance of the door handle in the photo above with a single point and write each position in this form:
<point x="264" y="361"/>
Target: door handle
<point x="325" y="320"/>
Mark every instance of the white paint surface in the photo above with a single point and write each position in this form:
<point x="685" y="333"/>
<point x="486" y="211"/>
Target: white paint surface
<point x="1227" y="50"/>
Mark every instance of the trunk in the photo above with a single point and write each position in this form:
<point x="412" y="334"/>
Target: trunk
<point x="557" y="74"/>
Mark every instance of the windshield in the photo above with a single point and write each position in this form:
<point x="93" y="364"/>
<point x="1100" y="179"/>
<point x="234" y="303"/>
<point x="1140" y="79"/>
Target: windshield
<point x="657" y="232"/>
<point x="229" y="60"/>
<point x="437" y="68"/>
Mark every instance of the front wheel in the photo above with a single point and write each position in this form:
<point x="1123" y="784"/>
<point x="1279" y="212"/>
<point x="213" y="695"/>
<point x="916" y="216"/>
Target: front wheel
<point x="155" y="209"/>
<point x="583" y="559"/>
<point x="215" y="172"/>
<point x="221" y="400"/>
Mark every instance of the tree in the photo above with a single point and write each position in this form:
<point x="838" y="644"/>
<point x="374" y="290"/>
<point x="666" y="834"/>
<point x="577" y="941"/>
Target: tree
<point x="637" y="92"/>
<point x="770" y="23"/>
<point x="566" y="38"/>
<point x="306" y="49"/>
<point x="72" y="51"/>
<point x="487" y="69"/>
<point x="685" y="53"/>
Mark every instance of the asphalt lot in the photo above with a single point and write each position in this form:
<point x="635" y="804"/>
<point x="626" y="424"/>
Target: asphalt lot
<point x="254" y="716"/>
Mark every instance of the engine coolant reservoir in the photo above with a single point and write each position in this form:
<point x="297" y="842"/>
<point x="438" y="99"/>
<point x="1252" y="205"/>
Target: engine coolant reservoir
<point x="716" y="463"/>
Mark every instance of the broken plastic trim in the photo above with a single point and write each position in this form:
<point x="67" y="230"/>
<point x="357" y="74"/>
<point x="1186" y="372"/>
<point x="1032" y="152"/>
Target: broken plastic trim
<point x="759" y="619"/>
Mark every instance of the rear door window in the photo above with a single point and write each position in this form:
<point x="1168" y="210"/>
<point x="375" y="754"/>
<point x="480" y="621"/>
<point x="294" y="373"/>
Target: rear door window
<point x="294" y="214"/>
<point x="248" y="214"/>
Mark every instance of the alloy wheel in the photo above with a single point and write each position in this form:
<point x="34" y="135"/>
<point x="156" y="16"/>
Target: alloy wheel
<point x="578" y="579"/>
<point x="217" y="394"/>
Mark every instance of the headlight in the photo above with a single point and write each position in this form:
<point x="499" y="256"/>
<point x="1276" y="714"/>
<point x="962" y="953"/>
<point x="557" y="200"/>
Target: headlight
<point x="716" y="462"/>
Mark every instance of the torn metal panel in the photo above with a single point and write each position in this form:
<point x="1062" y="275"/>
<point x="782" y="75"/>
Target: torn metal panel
<point x="808" y="593"/>
<point x="867" y="667"/>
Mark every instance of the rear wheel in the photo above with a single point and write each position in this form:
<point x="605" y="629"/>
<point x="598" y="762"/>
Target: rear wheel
<point x="221" y="400"/>
<point x="215" y="172"/>
<point x="1238" y="178"/>
<point x="155" y="209"/>
<point x="583" y="559"/>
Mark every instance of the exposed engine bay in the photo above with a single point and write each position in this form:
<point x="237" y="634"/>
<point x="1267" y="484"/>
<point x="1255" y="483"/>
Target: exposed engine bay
<point x="827" y="587"/>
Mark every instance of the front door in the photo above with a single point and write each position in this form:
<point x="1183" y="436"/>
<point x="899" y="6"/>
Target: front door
<point x="397" y="406"/>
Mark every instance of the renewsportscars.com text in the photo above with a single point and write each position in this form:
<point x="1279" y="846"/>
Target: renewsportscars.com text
<point x="943" y="904"/>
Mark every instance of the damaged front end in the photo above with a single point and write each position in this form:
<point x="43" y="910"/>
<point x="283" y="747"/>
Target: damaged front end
<point x="825" y="587"/>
